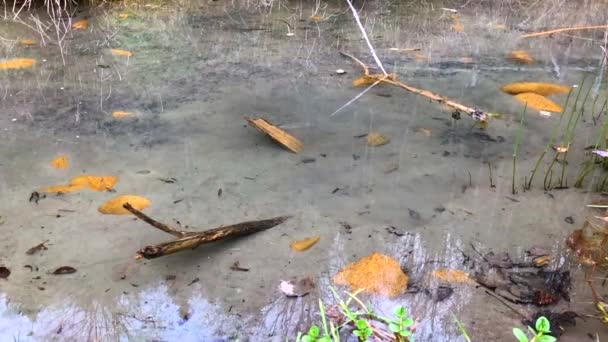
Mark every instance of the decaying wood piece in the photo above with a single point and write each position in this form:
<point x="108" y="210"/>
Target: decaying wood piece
<point x="191" y="240"/>
<point x="277" y="134"/>
<point x="473" y="112"/>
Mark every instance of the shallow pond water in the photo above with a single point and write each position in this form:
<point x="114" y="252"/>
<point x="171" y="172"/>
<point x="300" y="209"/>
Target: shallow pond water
<point x="195" y="71"/>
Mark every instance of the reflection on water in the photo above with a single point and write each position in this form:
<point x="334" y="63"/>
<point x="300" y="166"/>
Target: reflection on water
<point x="149" y="92"/>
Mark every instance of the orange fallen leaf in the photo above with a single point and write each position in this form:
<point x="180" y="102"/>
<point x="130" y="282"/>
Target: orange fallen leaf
<point x="60" y="162"/>
<point x="457" y="26"/>
<point x="96" y="183"/>
<point x="119" y="52"/>
<point x="61" y="189"/>
<point x="452" y="276"/>
<point x="376" y="273"/>
<point x="121" y="114"/>
<point x="305" y="244"/>
<point x="420" y="57"/>
<point x="315" y="18"/>
<point x="123" y="15"/>
<point x="376" y="139"/>
<point x="82" y="24"/>
<point x="560" y="149"/>
<point x="115" y="205"/>
<point x="539" y="88"/>
<point x="368" y="80"/>
<point x="520" y="56"/>
<point x="500" y="26"/>
<point x="27" y="42"/>
<point x="17" y="63"/>
<point x="538" y="102"/>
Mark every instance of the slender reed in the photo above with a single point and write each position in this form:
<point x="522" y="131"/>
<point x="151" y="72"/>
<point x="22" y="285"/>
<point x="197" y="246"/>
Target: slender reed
<point x="516" y="144"/>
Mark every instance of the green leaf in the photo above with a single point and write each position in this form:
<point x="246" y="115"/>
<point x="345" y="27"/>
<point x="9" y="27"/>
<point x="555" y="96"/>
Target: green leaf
<point x="357" y="333"/>
<point x="361" y="324"/>
<point x="407" y="322"/>
<point x="520" y="335"/>
<point x="399" y="311"/>
<point x="543" y="325"/>
<point x="324" y="339"/>
<point x="313" y="331"/>
<point x="546" y="338"/>
<point x="307" y="338"/>
<point x="531" y="330"/>
<point x="405" y="333"/>
<point x="394" y="327"/>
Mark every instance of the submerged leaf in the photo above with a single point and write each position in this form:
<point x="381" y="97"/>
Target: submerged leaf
<point x="123" y="15"/>
<point x="305" y="244"/>
<point x="61" y="189"/>
<point x="115" y="205"/>
<point x="17" y="63"/>
<point x="119" y="52"/>
<point x="520" y="56"/>
<point x="121" y="114"/>
<point x="376" y="139"/>
<point x="27" y="42"/>
<point x="315" y="18"/>
<point x="297" y="288"/>
<point x="4" y="272"/>
<point x="96" y="183"/>
<point x="452" y="276"/>
<point x="540" y="88"/>
<point x="367" y="80"/>
<point x="60" y="162"/>
<point x="538" y="102"/>
<point x="376" y="273"/>
<point x="82" y="24"/>
<point x="64" y="270"/>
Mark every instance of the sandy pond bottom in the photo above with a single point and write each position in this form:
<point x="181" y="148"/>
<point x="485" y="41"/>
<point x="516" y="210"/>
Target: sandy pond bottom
<point x="424" y="198"/>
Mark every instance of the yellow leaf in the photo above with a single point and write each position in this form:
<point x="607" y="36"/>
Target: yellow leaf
<point x="302" y="245"/>
<point x="27" y="42"/>
<point x="315" y="18"/>
<point x="97" y="183"/>
<point x="115" y="205"/>
<point x="17" y="63"/>
<point x="119" y="52"/>
<point x="61" y="189"/>
<point x="376" y="139"/>
<point x="540" y="88"/>
<point x="82" y="24"/>
<point x="452" y="276"/>
<point x="376" y="273"/>
<point x="520" y="56"/>
<point x="120" y="114"/>
<point x="538" y="102"/>
<point x="60" y="162"/>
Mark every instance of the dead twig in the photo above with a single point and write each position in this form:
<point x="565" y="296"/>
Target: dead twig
<point x="565" y="29"/>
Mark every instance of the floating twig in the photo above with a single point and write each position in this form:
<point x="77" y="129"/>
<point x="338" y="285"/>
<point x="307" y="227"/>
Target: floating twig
<point x="565" y="29"/>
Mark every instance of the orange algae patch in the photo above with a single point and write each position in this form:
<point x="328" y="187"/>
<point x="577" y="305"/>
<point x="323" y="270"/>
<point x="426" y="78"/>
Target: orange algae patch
<point x="305" y="244"/>
<point x="115" y="205"/>
<point x="81" y="24"/>
<point x="452" y="276"/>
<point x="376" y="273"/>
<point x="96" y="183"/>
<point x="119" y="52"/>
<point x="539" y="88"/>
<point x="61" y="189"/>
<point x="538" y="102"/>
<point x="17" y="63"/>
<point x="60" y="162"/>
<point x="121" y="114"/>
<point x="520" y="56"/>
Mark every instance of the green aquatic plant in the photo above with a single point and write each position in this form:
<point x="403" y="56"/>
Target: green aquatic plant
<point x="516" y="144"/>
<point x="463" y="331"/>
<point x="540" y="334"/>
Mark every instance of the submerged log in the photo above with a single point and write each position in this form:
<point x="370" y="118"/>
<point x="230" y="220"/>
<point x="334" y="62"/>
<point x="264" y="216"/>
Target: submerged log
<point x="191" y="240"/>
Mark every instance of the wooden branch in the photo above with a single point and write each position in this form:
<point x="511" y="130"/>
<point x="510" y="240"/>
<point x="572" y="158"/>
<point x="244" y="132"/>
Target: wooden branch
<point x="191" y="240"/>
<point x="565" y="29"/>
<point x="473" y="112"/>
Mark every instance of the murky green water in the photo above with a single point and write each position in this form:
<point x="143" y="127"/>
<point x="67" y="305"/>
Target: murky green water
<point x="195" y="72"/>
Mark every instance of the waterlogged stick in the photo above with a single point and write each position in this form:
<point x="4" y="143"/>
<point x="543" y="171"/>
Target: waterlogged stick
<point x="517" y="137"/>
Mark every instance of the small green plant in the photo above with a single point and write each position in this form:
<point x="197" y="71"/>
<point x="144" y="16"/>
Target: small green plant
<point x="543" y="328"/>
<point x="313" y="336"/>
<point x="463" y="331"/>
<point x="400" y="326"/>
<point x="362" y="330"/>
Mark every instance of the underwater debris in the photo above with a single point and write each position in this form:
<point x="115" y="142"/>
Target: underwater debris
<point x="4" y="272"/>
<point x="368" y="80"/>
<point x="60" y="162"/>
<point x="452" y="276"/>
<point x="540" y="88"/>
<point x="39" y="247"/>
<point x="121" y="114"/>
<point x="96" y="183"/>
<point x="565" y="29"/>
<point x="520" y="56"/>
<point x="297" y="288"/>
<point x="376" y="139"/>
<point x="61" y="189"/>
<point x="376" y="273"/>
<point x="115" y="206"/>
<point x="64" y="270"/>
<point x="82" y="24"/>
<point x="457" y="26"/>
<point x="538" y="102"/>
<point x="27" y="42"/>
<point x="276" y="134"/>
<point x="237" y="267"/>
<point x="119" y="52"/>
<point x="305" y="244"/>
<point x="17" y="63"/>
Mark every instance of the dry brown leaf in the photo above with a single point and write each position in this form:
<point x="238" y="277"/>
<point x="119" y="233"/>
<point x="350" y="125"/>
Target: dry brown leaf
<point x="520" y="56"/>
<point x="452" y="276"/>
<point x="540" y="88"/>
<point x="538" y="102"/>
<point x="376" y="139"/>
<point x="27" y="42"/>
<point x="17" y="63"/>
<point x="376" y="273"/>
<point x="119" y="52"/>
<point x="60" y="162"/>
<point x="285" y="139"/>
<point x="315" y="18"/>
<point x="121" y="114"/>
<point x="96" y="183"/>
<point x="305" y="244"/>
<point x="456" y="26"/>
<point x="64" y="270"/>
<point x="368" y="80"/>
<point x="420" y="57"/>
<point x="82" y="24"/>
<point x="115" y="205"/>
<point x="62" y="189"/>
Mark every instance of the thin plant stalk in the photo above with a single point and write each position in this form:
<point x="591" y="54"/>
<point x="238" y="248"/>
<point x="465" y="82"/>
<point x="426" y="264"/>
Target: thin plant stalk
<point x="590" y="165"/>
<point x="516" y="144"/>
<point x="550" y="142"/>
<point x="491" y="179"/>
<point x="571" y="137"/>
